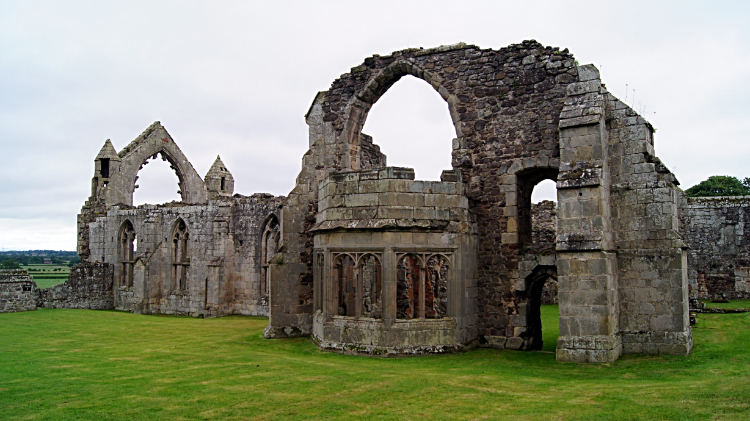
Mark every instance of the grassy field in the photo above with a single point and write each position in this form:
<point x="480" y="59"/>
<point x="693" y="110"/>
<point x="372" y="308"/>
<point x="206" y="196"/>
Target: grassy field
<point x="81" y="364"/>
<point x="45" y="276"/>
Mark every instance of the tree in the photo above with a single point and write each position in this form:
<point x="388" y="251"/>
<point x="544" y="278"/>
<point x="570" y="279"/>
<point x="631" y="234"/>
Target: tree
<point x="10" y="264"/>
<point x="720" y="185"/>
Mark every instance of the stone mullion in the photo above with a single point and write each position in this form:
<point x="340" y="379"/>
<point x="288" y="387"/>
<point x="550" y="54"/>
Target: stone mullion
<point x="358" y="289"/>
<point x="389" y="287"/>
<point x="421" y="281"/>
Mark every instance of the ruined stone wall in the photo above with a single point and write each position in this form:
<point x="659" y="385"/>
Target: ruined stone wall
<point x="371" y="157"/>
<point x="523" y="114"/>
<point x="89" y="286"/>
<point x="719" y="255"/>
<point x="116" y="175"/>
<point x="17" y="291"/>
<point x="651" y="256"/>
<point x="221" y="265"/>
<point x="505" y="105"/>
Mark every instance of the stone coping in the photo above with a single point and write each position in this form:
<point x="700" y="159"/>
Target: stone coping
<point x="15" y="276"/>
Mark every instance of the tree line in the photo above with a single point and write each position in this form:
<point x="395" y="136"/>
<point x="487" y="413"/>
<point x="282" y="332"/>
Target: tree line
<point x="720" y="185"/>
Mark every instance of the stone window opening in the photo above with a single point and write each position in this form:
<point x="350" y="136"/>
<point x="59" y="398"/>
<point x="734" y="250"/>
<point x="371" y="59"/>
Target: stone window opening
<point x="269" y="244"/>
<point x="527" y="181"/>
<point x="358" y="285"/>
<point x="422" y="286"/>
<point x="411" y="124"/>
<point x="127" y="253"/>
<point x="223" y="182"/>
<point x="180" y="257"/>
<point x="160" y="181"/>
<point x="344" y="287"/>
<point x="370" y="281"/>
<point x="104" y="167"/>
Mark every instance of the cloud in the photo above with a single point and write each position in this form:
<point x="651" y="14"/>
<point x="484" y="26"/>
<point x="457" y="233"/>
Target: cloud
<point x="236" y="78"/>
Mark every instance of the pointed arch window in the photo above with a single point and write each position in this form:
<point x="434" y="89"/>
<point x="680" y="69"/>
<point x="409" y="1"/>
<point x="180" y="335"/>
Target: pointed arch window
<point x="422" y="286"/>
<point x="180" y="256"/>
<point x="126" y="253"/>
<point x="269" y="243"/>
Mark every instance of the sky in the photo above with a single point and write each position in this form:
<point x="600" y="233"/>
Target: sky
<point x="235" y="78"/>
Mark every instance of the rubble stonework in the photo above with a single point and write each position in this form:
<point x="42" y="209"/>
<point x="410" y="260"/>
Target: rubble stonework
<point x="89" y="286"/>
<point x="719" y="255"/>
<point x="17" y="291"/>
<point x="365" y="259"/>
<point x="543" y="234"/>
<point x="522" y="114"/>
<point x="201" y="256"/>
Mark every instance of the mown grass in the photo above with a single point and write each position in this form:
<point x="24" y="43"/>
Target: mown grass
<point x="81" y="364"/>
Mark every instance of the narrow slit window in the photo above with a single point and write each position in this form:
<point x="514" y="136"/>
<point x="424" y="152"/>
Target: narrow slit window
<point x="105" y="167"/>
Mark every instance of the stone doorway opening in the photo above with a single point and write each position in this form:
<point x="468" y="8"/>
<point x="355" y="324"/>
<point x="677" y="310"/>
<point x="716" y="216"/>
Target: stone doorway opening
<point x="537" y="235"/>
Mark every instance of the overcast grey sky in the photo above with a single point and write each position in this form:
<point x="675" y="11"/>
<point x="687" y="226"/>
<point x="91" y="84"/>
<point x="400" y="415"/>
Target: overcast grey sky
<point x="235" y="79"/>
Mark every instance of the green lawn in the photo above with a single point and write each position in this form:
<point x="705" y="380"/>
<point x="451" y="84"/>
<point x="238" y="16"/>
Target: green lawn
<point x="82" y="364"/>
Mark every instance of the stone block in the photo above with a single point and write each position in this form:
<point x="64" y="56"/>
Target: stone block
<point x="366" y="199"/>
<point x="514" y="343"/>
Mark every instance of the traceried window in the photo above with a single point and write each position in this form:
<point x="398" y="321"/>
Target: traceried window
<point x="269" y="244"/>
<point x="180" y="257"/>
<point x="422" y="286"/>
<point x="127" y="253"/>
<point x="358" y="285"/>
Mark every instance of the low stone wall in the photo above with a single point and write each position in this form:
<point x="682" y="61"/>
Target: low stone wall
<point x="16" y="291"/>
<point x="89" y="286"/>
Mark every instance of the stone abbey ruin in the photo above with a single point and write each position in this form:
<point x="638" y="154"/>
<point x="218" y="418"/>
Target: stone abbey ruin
<point x="365" y="259"/>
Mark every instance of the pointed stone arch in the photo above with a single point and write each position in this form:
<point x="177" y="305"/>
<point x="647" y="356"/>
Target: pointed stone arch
<point x="270" y="240"/>
<point x="362" y="101"/>
<point x="154" y="141"/>
<point x="126" y="237"/>
<point x="180" y="254"/>
<point x="532" y="296"/>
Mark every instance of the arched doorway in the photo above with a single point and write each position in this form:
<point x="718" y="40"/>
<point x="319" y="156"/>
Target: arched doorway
<point x="537" y="227"/>
<point x="535" y="283"/>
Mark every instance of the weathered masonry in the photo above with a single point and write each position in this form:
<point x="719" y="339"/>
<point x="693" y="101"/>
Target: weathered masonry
<point x="17" y="291"/>
<point x="376" y="262"/>
<point x="719" y="255"/>
<point x="206" y="255"/>
<point x="366" y="259"/>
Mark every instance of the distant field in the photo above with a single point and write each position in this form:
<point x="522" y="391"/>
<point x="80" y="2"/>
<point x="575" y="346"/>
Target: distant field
<point x="46" y="268"/>
<point x="82" y="364"/>
<point x="47" y="283"/>
<point x="45" y="276"/>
